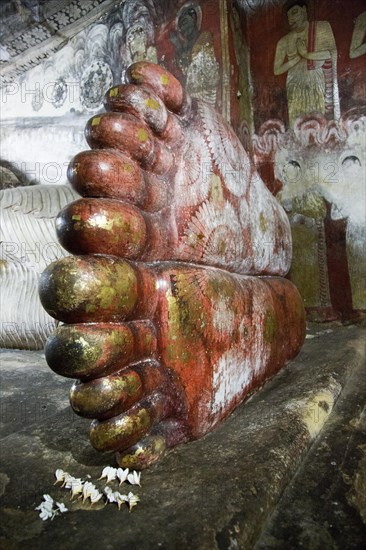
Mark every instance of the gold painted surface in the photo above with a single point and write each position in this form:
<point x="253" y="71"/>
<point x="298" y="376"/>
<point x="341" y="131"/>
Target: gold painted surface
<point x="270" y="327"/>
<point x="217" y="193"/>
<point x="88" y="352"/>
<point x="70" y="289"/>
<point x="83" y="352"/>
<point x="111" y="433"/>
<point x="152" y="104"/>
<point x="126" y="286"/>
<point x="102" y="396"/>
<point x="263" y="223"/>
<point x="179" y="323"/>
<point x="128" y="168"/>
<point x="101" y="287"/>
<point x="304" y="272"/>
<point x="118" y="225"/>
<point x="146" y="452"/>
<point x="164" y="79"/>
<point x="142" y="135"/>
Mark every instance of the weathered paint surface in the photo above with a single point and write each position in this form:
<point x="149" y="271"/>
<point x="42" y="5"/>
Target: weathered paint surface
<point x="318" y="170"/>
<point x="172" y="314"/>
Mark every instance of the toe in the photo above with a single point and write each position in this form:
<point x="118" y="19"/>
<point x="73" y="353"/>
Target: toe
<point x="111" y="395"/>
<point x="106" y="397"/>
<point x="88" y="351"/>
<point x="131" y="135"/>
<point x="138" y="101"/>
<point x="142" y="455"/>
<point x="151" y="448"/>
<point x="96" y="289"/>
<point x="102" y="226"/>
<point x="103" y="173"/>
<point x="144" y="104"/>
<point x="125" y="430"/>
<point x="106" y="226"/>
<point x="164" y="84"/>
<point x="107" y="173"/>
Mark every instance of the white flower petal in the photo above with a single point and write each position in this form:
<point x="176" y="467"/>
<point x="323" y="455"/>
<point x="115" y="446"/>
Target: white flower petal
<point x="60" y="475"/>
<point x="134" y="478"/>
<point x="48" y="506"/>
<point x="76" y="487"/>
<point x="132" y="500"/>
<point x="45" y="514"/>
<point x="109" y="473"/>
<point x="122" y="474"/>
<point x="95" y="496"/>
<point x="45" y="508"/>
<point x="88" y="490"/>
<point x="120" y="499"/>
<point x="68" y="479"/>
<point x="109" y="494"/>
<point x="61" y="507"/>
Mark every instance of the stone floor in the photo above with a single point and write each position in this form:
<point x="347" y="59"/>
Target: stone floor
<point x="286" y="470"/>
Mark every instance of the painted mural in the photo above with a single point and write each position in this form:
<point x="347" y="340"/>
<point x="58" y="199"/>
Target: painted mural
<point x="325" y="202"/>
<point x="309" y="143"/>
<point x="334" y="75"/>
<point x="195" y="54"/>
<point x="308" y="54"/>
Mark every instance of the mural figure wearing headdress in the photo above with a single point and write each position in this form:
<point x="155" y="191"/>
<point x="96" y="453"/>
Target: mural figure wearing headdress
<point x="195" y="53"/>
<point x="308" y="54"/>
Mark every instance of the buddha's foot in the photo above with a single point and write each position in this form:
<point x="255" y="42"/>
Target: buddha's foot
<point x="164" y="352"/>
<point x="166" y="330"/>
